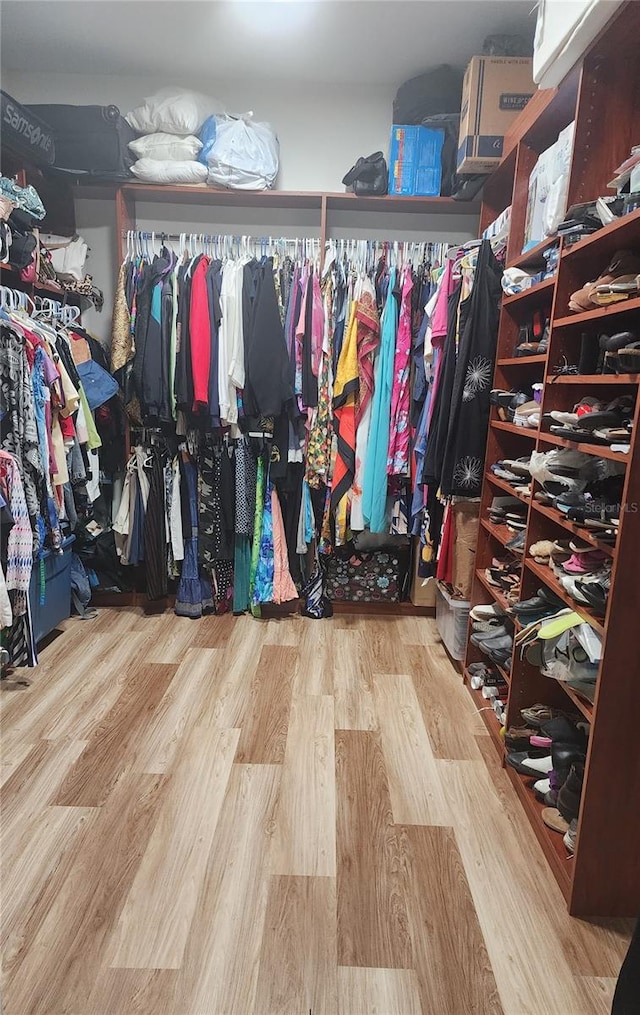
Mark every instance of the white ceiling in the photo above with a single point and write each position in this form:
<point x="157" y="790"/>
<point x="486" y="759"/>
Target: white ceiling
<point x="343" y="41"/>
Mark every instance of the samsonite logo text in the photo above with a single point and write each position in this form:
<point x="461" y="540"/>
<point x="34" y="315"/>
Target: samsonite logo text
<point x="34" y="134"/>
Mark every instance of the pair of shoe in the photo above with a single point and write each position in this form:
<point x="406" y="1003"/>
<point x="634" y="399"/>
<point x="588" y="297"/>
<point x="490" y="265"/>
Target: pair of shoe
<point x="486" y="611"/>
<point x="555" y="769"/>
<point x="561" y="816"/>
<point x="497" y="644"/>
<point x="594" y="422"/>
<point x="618" y="281"/>
<point x="528" y="415"/>
<point x="508" y="511"/>
<point x="619" y="353"/>
<point x="543" y="603"/>
<point x="541" y="550"/>
<point x="519" y="407"/>
<point x="590" y="590"/>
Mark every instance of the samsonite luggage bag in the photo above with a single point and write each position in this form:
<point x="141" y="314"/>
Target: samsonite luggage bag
<point x="90" y="139"/>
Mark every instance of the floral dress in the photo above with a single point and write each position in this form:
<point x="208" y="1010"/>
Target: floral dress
<point x="398" y="454"/>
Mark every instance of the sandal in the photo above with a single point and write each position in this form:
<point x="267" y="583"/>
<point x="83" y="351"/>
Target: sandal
<point x="629" y="358"/>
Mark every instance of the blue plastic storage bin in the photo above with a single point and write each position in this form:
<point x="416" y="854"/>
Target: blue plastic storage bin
<point x="415" y="160"/>
<point x="57" y="590"/>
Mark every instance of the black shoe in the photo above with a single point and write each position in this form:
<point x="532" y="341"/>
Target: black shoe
<point x="570" y="792"/>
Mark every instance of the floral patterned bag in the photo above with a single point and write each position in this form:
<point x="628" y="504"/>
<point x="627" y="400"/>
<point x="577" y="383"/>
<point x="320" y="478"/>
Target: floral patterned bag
<point x="378" y="576"/>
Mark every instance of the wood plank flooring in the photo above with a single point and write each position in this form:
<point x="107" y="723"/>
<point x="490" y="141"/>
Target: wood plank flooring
<point x="282" y="817"/>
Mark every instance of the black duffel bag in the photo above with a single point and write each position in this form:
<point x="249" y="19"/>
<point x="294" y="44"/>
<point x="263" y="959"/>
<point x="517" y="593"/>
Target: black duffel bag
<point x="90" y="139"/>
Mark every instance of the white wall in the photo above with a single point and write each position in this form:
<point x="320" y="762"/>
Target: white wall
<point x="322" y="131"/>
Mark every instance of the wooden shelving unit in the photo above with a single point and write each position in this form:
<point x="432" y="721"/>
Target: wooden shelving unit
<point x="530" y="295"/>
<point x="601" y="96"/>
<point x="10" y="277"/>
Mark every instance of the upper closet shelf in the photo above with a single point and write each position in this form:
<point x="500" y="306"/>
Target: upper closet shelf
<point x="202" y="194"/>
<point x="393" y="203"/>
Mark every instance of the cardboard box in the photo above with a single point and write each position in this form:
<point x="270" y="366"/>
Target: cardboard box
<point x="495" y="90"/>
<point x="422" y="594"/>
<point x="415" y="160"/>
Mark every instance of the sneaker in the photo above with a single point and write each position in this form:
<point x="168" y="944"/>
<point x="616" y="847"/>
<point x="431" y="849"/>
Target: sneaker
<point x="486" y="612"/>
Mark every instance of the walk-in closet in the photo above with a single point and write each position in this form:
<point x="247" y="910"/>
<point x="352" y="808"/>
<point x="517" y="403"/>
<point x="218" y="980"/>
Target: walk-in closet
<point x="319" y="486"/>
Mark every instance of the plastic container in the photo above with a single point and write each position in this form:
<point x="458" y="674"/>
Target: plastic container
<point x="452" y="620"/>
<point x="415" y="160"/>
<point x="57" y="590"/>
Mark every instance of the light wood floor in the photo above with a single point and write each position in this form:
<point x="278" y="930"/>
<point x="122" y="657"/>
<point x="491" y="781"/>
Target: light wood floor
<point x="228" y="816"/>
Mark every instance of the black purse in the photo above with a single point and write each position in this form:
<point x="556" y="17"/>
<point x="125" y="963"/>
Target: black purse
<point x="369" y="177"/>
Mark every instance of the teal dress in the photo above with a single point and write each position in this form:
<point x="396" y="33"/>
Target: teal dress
<point x="374" y="487"/>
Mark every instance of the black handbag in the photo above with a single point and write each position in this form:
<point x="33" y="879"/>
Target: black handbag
<point x="369" y="177"/>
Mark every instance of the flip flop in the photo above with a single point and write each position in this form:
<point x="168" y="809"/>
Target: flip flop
<point x="559" y="624"/>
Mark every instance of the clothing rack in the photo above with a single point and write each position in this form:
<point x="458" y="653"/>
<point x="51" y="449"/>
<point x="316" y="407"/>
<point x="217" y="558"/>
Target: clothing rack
<point x="142" y="243"/>
<point x="38" y="306"/>
<point x="364" y="253"/>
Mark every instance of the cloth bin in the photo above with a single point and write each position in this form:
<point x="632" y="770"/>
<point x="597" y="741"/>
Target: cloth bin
<point x="452" y="619"/>
<point x="57" y="590"/>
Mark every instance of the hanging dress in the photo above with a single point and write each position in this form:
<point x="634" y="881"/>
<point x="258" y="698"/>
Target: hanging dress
<point x="284" y="589"/>
<point x="398" y="453"/>
<point x="194" y="596"/>
<point x="374" y="492"/>
<point x="345" y="389"/>
<point x="469" y="416"/>
<point x="368" y="338"/>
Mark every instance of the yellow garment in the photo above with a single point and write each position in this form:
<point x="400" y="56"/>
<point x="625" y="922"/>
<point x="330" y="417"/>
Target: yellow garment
<point x="345" y="389"/>
<point x="347" y="367"/>
<point x="60" y="452"/>
<point x="94" y="437"/>
<point x="71" y="397"/>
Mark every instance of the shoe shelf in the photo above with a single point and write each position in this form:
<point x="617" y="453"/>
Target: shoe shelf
<point x="603" y="91"/>
<point x="505" y="674"/>
<point x="587" y="535"/>
<point x="616" y="236"/>
<point x="546" y="575"/>
<point x="502" y="484"/>
<point x="598" y="314"/>
<point x="584" y="380"/>
<point x="502" y="533"/>
<point x="495" y="593"/>
<point x="533" y="258"/>
<point x="560" y="861"/>
<point x="531" y="295"/>
<point x="598" y="450"/>
<point x="522" y="431"/>
<point x="584" y="706"/>
<point x="521" y="361"/>
<point x="52" y="289"/>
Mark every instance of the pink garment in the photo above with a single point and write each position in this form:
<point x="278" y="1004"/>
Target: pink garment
<point x="300" y="325"/>
<point x="399" y="430"/>
<point x="284" y="588"/>
<point x="440" y="318"/>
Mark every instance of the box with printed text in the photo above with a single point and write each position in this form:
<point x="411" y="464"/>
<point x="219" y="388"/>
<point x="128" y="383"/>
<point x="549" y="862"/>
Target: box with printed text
<point x="495" y="90"/>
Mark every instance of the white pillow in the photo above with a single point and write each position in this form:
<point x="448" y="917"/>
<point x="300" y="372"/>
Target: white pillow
<point x="173" y="111"/>
<point x="166" y="147"/>
<point x="159" y="171"/>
